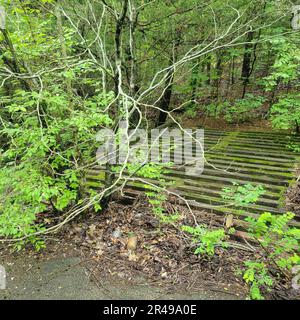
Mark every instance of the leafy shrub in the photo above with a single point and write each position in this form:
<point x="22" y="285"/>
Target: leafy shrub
<point x="295" y="147"/>
<point x="206" y="240"/>
<point x="257" y="276"/>
<point x="191" y="111"/>
<point x="157" y="198"/>
<point x="285" y="114"/>
<point x="241" y="110"/>
<point x="280" y="246"/>
<point x="286" y="65"/>
<point x="157" y="195"/>
<point x="216" y="110"/>
<point x="40" y="163"/>
<point x="242" y="195"/>
<point x="279" y="243"/>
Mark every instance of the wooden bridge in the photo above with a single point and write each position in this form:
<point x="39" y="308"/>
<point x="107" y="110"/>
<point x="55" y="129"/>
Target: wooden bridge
<point x="234" y="157"/>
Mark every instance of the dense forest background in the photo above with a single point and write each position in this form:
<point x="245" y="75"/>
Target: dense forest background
<point x="71" y="68"/>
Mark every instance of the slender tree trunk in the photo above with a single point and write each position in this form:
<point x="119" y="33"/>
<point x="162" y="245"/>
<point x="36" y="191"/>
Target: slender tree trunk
<point x="208" y="71"/>
<point x="246" y="69"/>
<point x="250" y="54"/>
<point x="233" y="71"/>
<point x="217" y="81"/>
<point x="297" y="127"/>
<point x="109" y="175"/>
<point x="14" y="64"/>
<point x="165" y="101"/>
<point x="194" y="81"/>
<point x="132" y="59"/>
<point x="166" y="98"/>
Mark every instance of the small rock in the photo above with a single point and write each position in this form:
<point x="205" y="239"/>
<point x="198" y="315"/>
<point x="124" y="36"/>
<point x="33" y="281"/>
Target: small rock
<point x="132" y="243"/>
<point x="117" y="234"/>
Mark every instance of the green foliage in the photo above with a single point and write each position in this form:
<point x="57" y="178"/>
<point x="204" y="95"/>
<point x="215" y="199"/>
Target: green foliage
<point x="41" y="169"/>
<point x="242" y="195"/>
<point x="285" y="114"/>
<point x="280" y="245"/>
<point x="206" y="240"/>
<point x="243" y="110"/>
<point x="295" y="147"/>
<point x="216" y="110"/>
<point x="150" y="170"/>
<point x="256" y="275"/>
<point x="22" y="194"/>
<point x="157" y="192"/>
<point x="240" y="110"/>
<point x="47" y="131"/>
<point x="191" y="110"/>
<point x="275" y="235"/>
<point x="285" y="67"/>
<point x="157" y="198"/>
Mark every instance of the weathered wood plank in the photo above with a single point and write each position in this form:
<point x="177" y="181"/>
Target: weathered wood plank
<point x="240" y="157"/>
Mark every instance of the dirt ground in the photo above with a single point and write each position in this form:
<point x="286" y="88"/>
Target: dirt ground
<point x="162" y="259"/>
<point x="162" y="262"/>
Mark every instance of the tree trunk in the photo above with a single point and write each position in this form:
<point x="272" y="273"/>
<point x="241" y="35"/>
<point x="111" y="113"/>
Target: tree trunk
<point x="109" y="175"/>
<point x="217" y="81"/>
<point x="208" y="71"/>
<point x="132" y="60"/>
<point x="246" y="69"/>
<point x="14" y="63"/>
<point x="165" y="100"/>
<point x="195" y="83"/>
<point x="233" y="71"/>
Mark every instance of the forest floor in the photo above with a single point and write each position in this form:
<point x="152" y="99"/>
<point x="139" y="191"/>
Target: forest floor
<point x="162" y="266"/>
<point x="89" y="259"/>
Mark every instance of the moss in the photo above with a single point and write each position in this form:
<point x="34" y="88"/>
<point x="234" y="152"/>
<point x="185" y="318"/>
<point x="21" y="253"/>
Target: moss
<point x="94" y="184"/>
<point x="225" y="141"/>
<point x="98" y="176"/>
<point x="246" y="160"/>
<point x="207" y="188"/>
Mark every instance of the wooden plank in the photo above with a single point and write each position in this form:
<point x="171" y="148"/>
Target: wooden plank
<point x="249" y="157"/>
